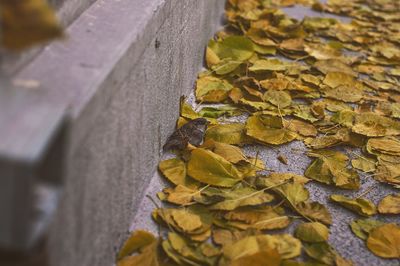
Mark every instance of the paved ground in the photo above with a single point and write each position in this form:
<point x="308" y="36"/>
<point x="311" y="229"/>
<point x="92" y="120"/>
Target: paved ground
<point x="341" y="237"/>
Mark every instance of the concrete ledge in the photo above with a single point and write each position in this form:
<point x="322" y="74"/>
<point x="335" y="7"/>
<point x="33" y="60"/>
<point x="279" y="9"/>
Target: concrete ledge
<point x="121" y="94"/>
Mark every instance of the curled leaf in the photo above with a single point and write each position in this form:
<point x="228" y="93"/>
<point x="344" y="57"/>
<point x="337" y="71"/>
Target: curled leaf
<point x="359" y="205"/>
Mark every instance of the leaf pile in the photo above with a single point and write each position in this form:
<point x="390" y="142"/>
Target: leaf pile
<point x="321" y="81"/>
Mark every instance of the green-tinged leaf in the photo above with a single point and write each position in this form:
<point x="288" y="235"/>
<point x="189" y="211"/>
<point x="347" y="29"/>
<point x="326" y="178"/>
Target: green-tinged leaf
<point x="212" y="89"/>
<point x="280" y="99"/>
<point x="269" y="65"/>
<point x="362" y="227"/>
<point x="238" y="197"/>
<point x="359" y="205"/>
<point x="330" y="167"/>
<point x="321" y="252"/>
<point x="312" y="232"/>
<point x="210" y="168"/>
<point x="215" y="112"/>
<point x="228" y="133"/>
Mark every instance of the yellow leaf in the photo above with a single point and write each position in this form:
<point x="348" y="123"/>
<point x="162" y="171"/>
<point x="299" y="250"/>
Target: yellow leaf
<point x="28" y="22"/>
<point x="212" y="89"/>
<point x="384" y="241"/>
<point x="312" y="232"/>
<point x="210" y="168"/>
<point x="136" y="241"/>
<point x="286" y="245"/>
<point x="268" y="130"/>
<point x="227" y="133"/>
<point x="175" y="171"/>
<point x="147" y="257"/>
<point x="259" y="259"/>
<point x="359" y="205"/>
<point x="390" y="204"/>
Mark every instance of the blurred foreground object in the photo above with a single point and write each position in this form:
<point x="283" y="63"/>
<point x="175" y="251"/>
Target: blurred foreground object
<point x="27" y="22"/>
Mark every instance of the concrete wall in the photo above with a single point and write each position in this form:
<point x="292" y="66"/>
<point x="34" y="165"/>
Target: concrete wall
<point x="122" y="92"/>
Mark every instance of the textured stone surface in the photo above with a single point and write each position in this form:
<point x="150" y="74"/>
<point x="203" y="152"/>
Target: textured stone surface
<point x="122" y="89"/>
<point x="341" y="237"/>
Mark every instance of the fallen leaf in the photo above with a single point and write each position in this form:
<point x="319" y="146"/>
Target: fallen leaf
<point x="210" y="168"/>
<point x="268" y="130"/>
<point x="26" y="23"/>
<point x="390" y="204"/>
<point x="312" y="232"/>
<point x="361" y="228"/>
<point x="384" y="241"/>
<point x="359" y="205"/>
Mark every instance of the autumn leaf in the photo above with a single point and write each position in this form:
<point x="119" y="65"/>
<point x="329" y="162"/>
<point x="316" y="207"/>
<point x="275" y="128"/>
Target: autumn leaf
<point x="359" y="205"/>
<point x="26" y="23"/>
<point x="227" y="133"/>
<point x="361" y="228"/>
<point x="269" y="130"/>
<point x="390" y="204"/>
<point x="384" y="241"/>
<point x="137" y="240"/>
<point x="212" y="89"/>
<point x="211" y="168"/>
<point x="312" y="232"/>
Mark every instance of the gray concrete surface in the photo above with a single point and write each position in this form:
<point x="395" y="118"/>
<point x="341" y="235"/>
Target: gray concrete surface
<point x="341" y="237"/>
